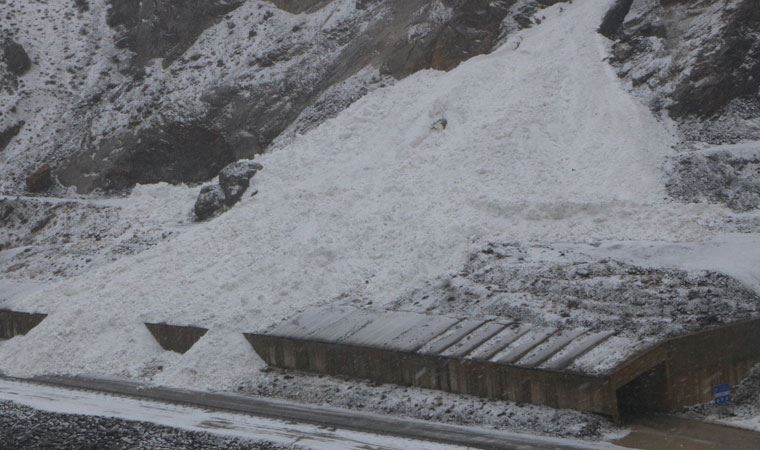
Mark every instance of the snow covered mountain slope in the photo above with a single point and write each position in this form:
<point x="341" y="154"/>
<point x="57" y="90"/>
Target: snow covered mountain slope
<point x="697" y="60"/>
<point x="538" y="143"/>
<point x="123" y="92"/>
<point x="541" y="143"/>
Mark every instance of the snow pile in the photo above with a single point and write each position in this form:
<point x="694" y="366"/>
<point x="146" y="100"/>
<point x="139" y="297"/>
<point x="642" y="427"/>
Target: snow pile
<point x="541" y="143"/>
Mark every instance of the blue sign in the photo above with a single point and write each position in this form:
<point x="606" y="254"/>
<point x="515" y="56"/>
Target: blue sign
<point x="722" y="394"/>
<point x="722" y="388"/>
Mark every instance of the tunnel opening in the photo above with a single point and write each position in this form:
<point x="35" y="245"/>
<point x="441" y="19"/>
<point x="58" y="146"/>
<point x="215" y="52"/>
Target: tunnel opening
<point x="644" y="395"/>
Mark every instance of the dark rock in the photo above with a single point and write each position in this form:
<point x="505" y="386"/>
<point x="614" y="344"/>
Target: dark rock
<point x="16" y="58"/>
<point x="697" y="60"/>
<point x="235" y="179"/>
<point x="614" y="18"/>
<point x="440" y="124"/>
<point x="82" y="5"/>
<point x="173" y="153"/>
<point x="732" y="180"/>
<point x="40" y="180"/>
<point x="164" y="28"/>
<point x="8" y="134"/>
<point x="210" y="202"/>
<point x="731" y="72"/>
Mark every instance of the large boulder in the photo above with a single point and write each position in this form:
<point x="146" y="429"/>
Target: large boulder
<point x="235" y="179"/>
<point x="16" y="58"/>
<point x="210" y="202"/>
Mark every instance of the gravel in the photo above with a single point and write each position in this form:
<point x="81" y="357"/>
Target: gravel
<point x="22" y="427"/>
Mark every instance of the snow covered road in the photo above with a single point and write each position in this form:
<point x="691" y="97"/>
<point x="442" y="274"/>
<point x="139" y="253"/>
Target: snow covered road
<point x="56" y="399"/>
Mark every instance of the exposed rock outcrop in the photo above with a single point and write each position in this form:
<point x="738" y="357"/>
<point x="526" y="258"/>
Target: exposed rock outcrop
<point x="697" y="60"/>
<point x="164" y="28"/>
<point x="614" y="18"/>
<point x="175" y="153"/>
<point x="16" y="58"/>
<point x="246" y="76"/>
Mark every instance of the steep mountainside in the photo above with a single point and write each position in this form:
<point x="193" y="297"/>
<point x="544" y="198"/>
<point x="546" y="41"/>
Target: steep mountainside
<point x="123" y="92"/>
<point x="698" y="62"/>
<point x="588" y="163"/>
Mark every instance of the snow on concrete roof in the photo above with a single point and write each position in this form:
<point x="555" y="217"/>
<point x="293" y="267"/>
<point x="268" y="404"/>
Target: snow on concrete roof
<point x="497" y="340"/>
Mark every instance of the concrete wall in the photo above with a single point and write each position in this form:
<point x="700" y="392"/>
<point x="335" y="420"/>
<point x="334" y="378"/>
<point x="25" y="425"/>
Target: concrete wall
<point x="175" y="338"/>
<point x="479" y="378"/>
<point x="13" y="323"/>
<point x="682" y="371"/>
<point x="675" y="373"/>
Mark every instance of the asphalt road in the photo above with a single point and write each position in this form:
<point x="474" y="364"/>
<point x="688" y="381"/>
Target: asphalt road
<point x="331" y="418"/>
<point x="671" y="433"/>
<point x="658" y="432"/>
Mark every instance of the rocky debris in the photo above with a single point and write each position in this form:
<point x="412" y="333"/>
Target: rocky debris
<point x="50" y="239"/>
<point x="40" y="180"/>
<point x="719" y="177"/>
<point x="234" y="180"/>
<point x="699" y="61"/>
<point x="24" y="427"/>
<point x="568" y="287"/>
<point x="16" y="58"/>
<point x="8" y="134"/>
<point x="210" y="202"/>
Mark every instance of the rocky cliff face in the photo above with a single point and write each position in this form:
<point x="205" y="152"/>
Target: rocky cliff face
<point x="167" y="91"/>
<point x="698" y="62"/>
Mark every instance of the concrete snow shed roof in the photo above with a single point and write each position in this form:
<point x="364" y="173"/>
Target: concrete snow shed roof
<point x="498" y="340"/>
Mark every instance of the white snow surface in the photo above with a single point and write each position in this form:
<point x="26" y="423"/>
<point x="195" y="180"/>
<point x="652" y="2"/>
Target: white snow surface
<point x="542" y="144"/>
